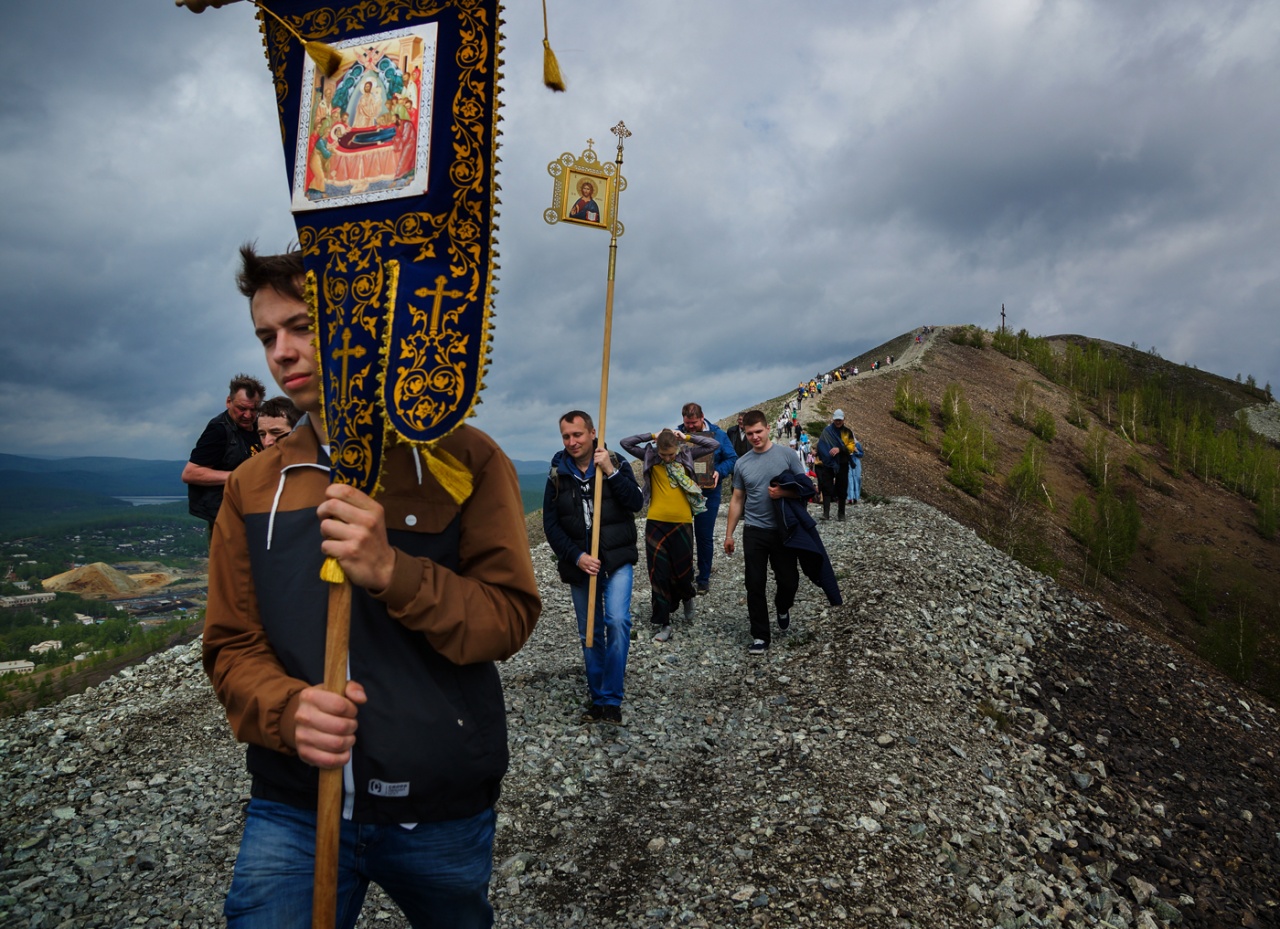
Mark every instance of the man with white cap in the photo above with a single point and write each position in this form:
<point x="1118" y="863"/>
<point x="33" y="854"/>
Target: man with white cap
<point x="834" y="447"/>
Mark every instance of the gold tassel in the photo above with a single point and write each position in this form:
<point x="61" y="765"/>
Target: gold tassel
<point x="451" y="474"/>
<point x="327" y="58"/>
<point x="331" y="572"/>
<point x="550" y="67"/>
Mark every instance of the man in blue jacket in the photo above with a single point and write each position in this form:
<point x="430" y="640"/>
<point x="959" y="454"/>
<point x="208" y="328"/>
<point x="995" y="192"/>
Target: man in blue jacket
<point x="720" y="466"/>
<point x="567" y="517"/>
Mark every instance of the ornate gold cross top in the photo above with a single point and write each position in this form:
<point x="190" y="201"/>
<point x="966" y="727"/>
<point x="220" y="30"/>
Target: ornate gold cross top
<point x="623" y="133"/>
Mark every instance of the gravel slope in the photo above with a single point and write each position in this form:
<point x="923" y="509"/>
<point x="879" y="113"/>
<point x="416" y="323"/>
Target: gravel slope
<point x="961" y="744"/>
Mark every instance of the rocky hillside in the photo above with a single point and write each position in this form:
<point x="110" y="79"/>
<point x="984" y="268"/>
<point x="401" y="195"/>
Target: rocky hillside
<point x="963" y="743"/>
<point x="1201" y="572"/>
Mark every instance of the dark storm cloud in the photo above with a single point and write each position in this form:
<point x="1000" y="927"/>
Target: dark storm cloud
<point x="116" y="253"/>
<point x="803" y="184"/>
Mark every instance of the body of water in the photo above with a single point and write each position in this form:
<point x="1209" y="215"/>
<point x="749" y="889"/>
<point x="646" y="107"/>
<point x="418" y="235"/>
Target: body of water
<point x="149" y="501"/>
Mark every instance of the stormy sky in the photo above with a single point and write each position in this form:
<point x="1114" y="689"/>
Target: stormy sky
<point x="805" y="181"/>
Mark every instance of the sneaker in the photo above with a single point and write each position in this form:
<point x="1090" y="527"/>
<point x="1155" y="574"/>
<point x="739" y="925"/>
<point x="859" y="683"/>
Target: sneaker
<point x="663" y="634"/>
<point x="594" y="713"/>
<point x="688" y="610"/>
<point x="704" y="589"/>
<point x="611" y="715"/>
<point x="758" y="647"/>
<point x="784" y="620"/>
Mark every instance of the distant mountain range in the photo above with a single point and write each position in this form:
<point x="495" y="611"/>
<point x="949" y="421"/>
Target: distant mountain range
<point x="62" y="485"/>
<point x="111" y="477"/>
<point x="121" y="477"/>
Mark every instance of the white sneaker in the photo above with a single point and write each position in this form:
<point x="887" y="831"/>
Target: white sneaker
<point x="663" y="634"/>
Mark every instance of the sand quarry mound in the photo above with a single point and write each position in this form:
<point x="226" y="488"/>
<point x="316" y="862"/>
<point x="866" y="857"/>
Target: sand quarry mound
<point x="102" y="580"/>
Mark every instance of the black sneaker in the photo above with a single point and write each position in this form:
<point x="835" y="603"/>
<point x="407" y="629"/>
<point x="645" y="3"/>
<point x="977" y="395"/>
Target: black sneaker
<point x="595" y="713"/>
<point x="704" y="589"/>
<point x="611" y="715"/>
<point x="758" y="647"/>
<point x="784" y="620"/>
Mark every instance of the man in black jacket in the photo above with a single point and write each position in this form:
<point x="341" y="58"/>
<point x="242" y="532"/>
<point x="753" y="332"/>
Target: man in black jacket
<point x="567" y="516"/>
<point x="738" y="437"/>
<point x="229" y="440"/>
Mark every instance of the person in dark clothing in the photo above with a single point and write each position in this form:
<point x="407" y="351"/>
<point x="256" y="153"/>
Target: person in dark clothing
<point x="567" y="518"/>
<point x="229" y="440"/>
<point x="834" y="448"/>
<point x="738" y="438"/>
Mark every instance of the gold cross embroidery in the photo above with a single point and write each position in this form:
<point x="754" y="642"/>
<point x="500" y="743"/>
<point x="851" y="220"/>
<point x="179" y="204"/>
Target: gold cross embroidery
<point x="439" y="293"/>
<point x="346" y="353"/>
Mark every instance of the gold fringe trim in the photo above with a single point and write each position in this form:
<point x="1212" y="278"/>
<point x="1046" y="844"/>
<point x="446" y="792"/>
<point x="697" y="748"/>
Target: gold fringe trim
<point x="331" y="572"/>
<point x="450" y="473"/>
<point x="311" y="294"/>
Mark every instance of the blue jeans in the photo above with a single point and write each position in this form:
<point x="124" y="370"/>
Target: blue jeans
<point x="606" y="660"/>
<point x="438" y="873"/>
<point x="704" y="528"/>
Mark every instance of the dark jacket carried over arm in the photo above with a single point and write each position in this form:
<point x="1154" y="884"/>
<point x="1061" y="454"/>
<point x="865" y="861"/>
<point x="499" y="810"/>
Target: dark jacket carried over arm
<point x="564" y="500"/>
<point x="802" y="534"/>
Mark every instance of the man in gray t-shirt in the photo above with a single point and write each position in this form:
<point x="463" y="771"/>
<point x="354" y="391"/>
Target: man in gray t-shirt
<point x="763" y="541"/>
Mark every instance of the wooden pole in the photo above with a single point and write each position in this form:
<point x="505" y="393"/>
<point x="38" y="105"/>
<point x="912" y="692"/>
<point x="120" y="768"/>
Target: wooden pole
<point x="598" y="489"/>
<point x="324" y="900"/>
<point x="621" y="132"/>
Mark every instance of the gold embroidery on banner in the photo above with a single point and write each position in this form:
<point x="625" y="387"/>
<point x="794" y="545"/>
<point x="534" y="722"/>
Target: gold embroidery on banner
<point x="430" y="370"/>
<point x="348" y="410"/>
<point x="432" y="383"/>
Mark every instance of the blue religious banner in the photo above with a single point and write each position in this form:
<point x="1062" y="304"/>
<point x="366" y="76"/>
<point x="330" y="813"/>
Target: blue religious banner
<point x="391" y="162"/>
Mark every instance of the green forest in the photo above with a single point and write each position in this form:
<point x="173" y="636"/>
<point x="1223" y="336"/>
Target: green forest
<point x="1195" y="423"/>
<point x="55" y="541"/>
<point x="22" y="627"/>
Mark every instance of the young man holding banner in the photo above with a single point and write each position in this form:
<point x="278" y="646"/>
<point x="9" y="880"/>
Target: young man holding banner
<point x="441" y="591"/>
